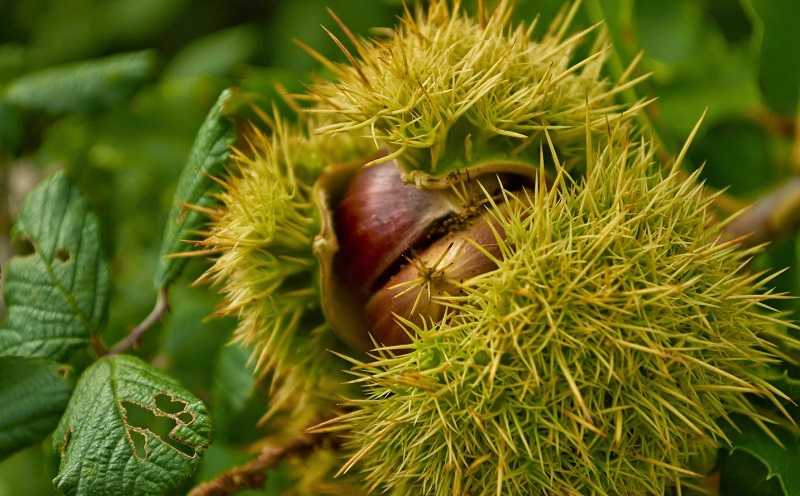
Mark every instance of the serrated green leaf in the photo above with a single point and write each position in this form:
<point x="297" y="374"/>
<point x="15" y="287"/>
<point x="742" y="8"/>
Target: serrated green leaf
<point x="82" y="85"/>
<point x="33" y="396"/>
<point x="743" y="475"/>
<point x="208" y="157"/>
<point x="129" y="429"/>
<point x="781" y="379"/>
<point x="57" y="291"/>
<point x="781" y="461"/>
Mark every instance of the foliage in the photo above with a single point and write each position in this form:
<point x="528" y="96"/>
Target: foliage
<point x="113" y="94"/>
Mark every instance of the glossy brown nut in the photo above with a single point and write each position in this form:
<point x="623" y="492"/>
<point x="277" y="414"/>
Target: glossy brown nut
<point x="417" y="292"/>
<point x="379" y="219"/>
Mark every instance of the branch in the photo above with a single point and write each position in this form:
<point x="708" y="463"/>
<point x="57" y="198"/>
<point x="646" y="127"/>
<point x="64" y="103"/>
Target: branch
<point x="770" y="217"/>
<point x="133" y="338"/>
<point x="253" y="474"/>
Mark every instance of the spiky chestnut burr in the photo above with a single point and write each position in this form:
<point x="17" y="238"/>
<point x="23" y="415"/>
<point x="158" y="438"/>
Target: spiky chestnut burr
<point x="447" y="92"/>
<point x="262" y="236"/>
<point x="603" y="355"/>
<point x="477" y="98"/>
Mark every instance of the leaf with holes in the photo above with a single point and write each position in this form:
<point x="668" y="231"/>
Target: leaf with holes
<point x="33" y="395"/>
<point x="56" y="289"/>
<point x="129" y="429"/>
<point x="195" y="187"/>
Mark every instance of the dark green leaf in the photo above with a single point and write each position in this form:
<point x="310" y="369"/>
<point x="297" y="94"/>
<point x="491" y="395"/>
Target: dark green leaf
<point x="743" y="475"/>
<point x="12" y="61"/>
<point x="57" y="290"/>
<point x="781" y="462"/>
<point x="208" y="158"/>
<point x="129" y="429"/>
<point x="238" y="403"/>
<point x="34" y="394"/>
<point x="726" y="147"/>
<point x="82" y="85"/>
<point x="235" y="377"/>
<point x="781" y="379"/>
<point x="780" y="66"/>
<point x="10" y="128"/>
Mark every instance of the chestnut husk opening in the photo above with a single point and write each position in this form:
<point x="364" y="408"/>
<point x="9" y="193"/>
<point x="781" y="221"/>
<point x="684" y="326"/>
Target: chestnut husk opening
<point x="380" y="226"/>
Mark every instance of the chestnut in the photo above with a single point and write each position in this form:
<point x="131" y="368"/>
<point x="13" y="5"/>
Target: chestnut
<point x="394" y="246"/>
<point x="418" y="291"/>
<point x="380" y="218"/>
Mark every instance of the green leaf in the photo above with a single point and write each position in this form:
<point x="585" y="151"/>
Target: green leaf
<point x="238" y="403"/>
<point x="82" y="85"/>
<point x="57" y="290"/>
<point x="781" y="462"/>
<point x="217" y="53"/>
<point x="743" y="475"/>
<point x="780" y="66"/>
<point x="129" y="429"/>
<point x="33" y="396"/>
<point x="731" y="142"/>
<point x="783" y="381"/>
<point x="235" y="377"/>
<point x="10" y="128"/>
<point x="207" y="159"/>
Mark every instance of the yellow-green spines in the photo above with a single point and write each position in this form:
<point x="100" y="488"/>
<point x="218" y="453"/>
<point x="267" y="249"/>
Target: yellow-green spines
<point x="605" y="353"/>
<point x="446" y="91"/>
<point x="263" y="235"/>
<point x="602" y="356"/>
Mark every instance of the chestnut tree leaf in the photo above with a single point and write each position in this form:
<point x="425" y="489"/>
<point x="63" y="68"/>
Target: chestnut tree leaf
<point x="81" y="86"/>
<point x="207" y="159"/>
<point x="33" y="395"/>
<point x="742" y="475"/>
<point x="129" y="429"/>
<point x="56" y="290"/>
<point x="781" y="462"/>
<point x="783" y="381"/>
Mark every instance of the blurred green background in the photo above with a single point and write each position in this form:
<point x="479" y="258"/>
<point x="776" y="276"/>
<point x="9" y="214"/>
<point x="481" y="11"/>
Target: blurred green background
<point x="125" y="144"/>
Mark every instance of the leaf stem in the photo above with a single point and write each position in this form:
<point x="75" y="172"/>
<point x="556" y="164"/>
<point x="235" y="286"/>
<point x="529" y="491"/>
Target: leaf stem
<point x="161" y="307"/>
<point x="98" y="346"/>
<point x="252" y="475"/>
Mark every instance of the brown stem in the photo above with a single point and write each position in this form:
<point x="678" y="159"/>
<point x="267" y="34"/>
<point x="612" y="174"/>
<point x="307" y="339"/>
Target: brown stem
<point x="98" y="346"/>
<point x="771" y="216"/>
<point x="161" y="307"/>
<point x="253" y="475"/>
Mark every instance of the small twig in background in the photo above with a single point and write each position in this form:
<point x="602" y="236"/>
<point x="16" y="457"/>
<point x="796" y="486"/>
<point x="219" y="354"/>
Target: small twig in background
<point x="777" y="124"/>
<point x="771" y="216"/>
<point x="253" y="475"/>
<point x="161" y="307"/>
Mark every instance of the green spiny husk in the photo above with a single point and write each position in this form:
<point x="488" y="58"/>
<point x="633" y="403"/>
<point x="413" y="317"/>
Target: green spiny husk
<point x="602" y="356"/>
<point x="607" y="350"/>
<point x="445" y="91"/>
<point x="265" y="267"/>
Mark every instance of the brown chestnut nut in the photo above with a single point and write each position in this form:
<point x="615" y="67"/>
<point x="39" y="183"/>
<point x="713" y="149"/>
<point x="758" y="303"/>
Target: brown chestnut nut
<point x="394" y="246"/>
<point x="380" y="218"/>
<point x="416" y="292"/>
